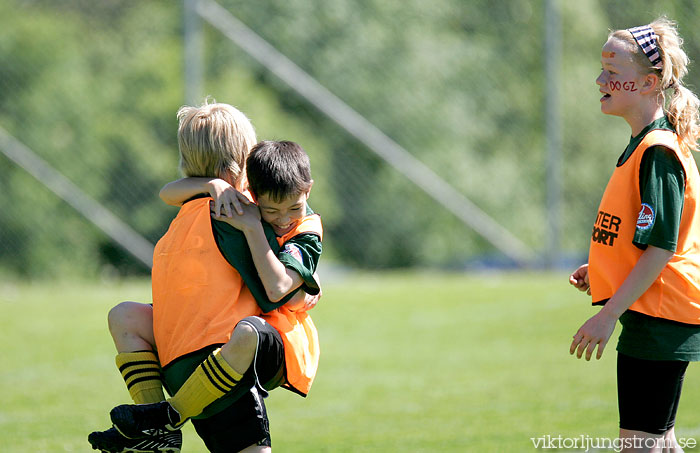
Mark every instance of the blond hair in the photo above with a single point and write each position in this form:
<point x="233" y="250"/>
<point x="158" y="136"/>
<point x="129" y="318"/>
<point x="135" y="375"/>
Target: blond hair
<point x="214" y="140"/>
<point x="682" y="106"/>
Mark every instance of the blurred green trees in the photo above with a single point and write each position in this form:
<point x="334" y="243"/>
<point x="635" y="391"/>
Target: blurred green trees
<point x="93" y="87"/>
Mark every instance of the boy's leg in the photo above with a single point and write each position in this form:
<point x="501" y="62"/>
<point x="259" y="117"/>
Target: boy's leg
<point x="131" y="327"/>
<point x="244" y="425"/>
<point x="218" y="374"/>
<point x="212" y="379"/>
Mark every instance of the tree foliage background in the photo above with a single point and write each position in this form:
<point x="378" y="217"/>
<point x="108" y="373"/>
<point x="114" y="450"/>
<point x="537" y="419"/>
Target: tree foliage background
<point x="93" y="87"/>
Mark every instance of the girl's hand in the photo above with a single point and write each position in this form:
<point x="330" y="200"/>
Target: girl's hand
<point x="594" y="332"/>
<point x="226" y="196"/>
<point x="579" y="279"/>
<point x="597" y="330"/>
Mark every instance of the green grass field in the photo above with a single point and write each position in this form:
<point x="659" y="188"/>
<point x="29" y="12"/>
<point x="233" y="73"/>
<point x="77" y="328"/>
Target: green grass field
<point x="410" y="363"/>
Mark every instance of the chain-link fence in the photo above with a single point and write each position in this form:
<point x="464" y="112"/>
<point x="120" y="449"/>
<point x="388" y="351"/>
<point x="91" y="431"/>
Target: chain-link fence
<point x="92" y="87"/>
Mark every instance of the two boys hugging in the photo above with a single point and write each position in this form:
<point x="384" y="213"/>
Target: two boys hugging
<point x="231" y="292"/>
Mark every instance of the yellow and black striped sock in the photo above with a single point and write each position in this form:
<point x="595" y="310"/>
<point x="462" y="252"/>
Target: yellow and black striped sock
<point x="211" y="380"/>
<point x="142" y="374"/>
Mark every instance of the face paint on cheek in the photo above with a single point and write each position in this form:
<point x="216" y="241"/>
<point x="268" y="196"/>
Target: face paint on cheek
<point x="623" y="86"/>
<point x="608" y="54"/>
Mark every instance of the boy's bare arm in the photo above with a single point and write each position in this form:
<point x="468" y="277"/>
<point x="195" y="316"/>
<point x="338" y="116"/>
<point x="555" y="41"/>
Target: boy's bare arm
<point x="277" y="279"/>
<point x="225" y="196"/>
<point x="177" y="192"/>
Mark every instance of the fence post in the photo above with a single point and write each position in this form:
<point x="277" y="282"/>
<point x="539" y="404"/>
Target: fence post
<point x="192" y="53"/>
<point x="553" y="133"/>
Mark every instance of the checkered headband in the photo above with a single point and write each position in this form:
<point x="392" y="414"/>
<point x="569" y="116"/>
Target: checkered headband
<point x="646" y="38"/>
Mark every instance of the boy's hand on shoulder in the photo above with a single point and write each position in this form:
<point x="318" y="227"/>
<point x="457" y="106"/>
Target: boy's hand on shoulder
<point x="227" y="197"/>
<point x="303" y="301"/>
<point x="248" y="218"/>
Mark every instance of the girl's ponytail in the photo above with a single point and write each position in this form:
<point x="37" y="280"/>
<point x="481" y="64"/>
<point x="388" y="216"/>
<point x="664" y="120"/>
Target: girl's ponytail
<point x="683" y="105"/>
<point x="682" y="112"/>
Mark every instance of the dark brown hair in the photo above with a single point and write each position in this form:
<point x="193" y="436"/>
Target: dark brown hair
<point x="278" y="170"/>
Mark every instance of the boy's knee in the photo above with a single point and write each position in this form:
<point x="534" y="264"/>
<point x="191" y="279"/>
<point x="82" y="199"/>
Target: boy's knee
<point x="239" y="352"/>
<point x="123" y="315"/>
<point x="245" y="333"/>
<point x="116" y="315"/>
<point x="243" y="338"/>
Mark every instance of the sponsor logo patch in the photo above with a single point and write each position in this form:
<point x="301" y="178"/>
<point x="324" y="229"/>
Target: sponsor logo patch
<point x="646" y="217"/>
<point x="293" y="250"/>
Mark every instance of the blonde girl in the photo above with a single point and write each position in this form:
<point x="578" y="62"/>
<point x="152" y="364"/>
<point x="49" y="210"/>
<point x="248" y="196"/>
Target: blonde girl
<point x="644" y="257"/>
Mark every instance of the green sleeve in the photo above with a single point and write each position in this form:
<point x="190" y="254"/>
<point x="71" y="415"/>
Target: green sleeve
<point x="301" y="254"/>
<point x="662" y="188"/>
<point x="234" y="248"/>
